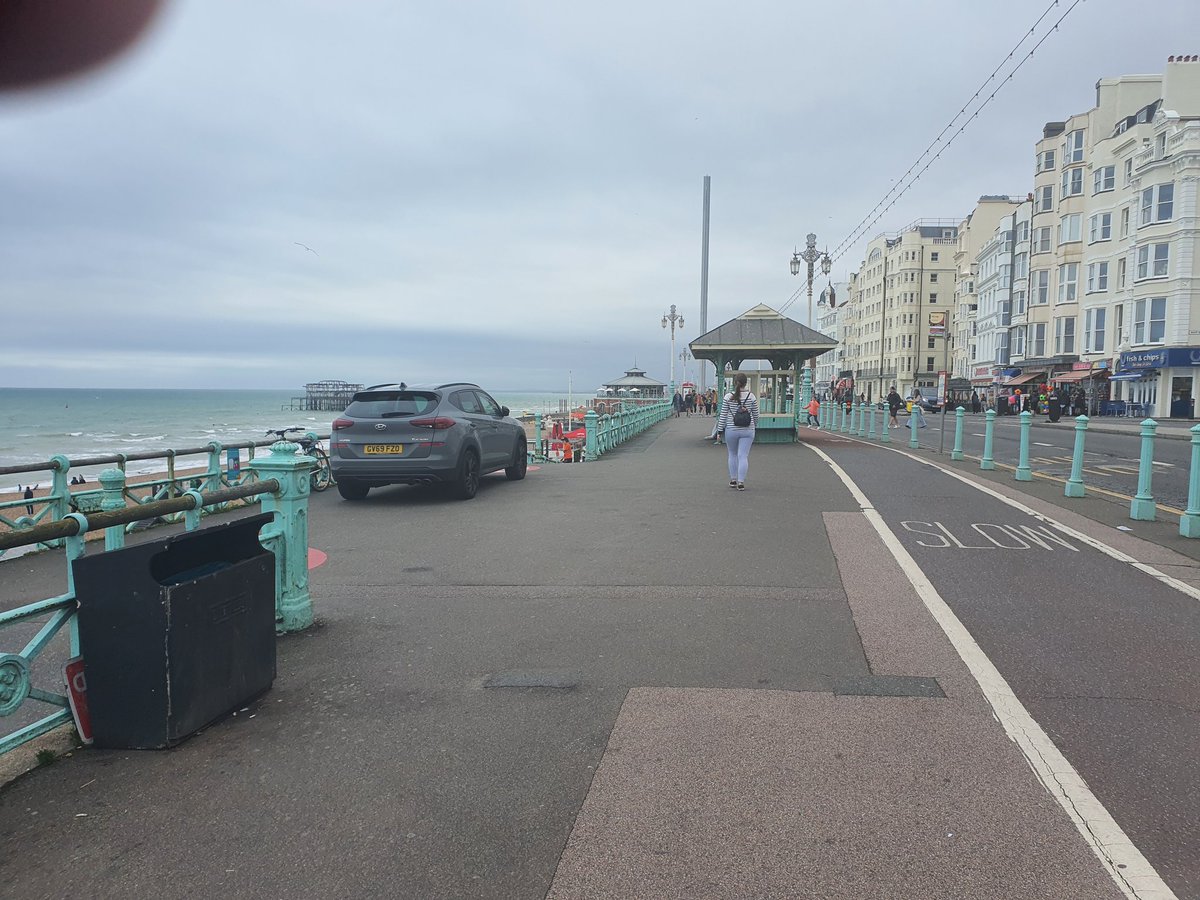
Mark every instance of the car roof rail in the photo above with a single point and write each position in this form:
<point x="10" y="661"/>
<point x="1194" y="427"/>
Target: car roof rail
<point x="394" y="384"/>
<point x="458" y="384"/>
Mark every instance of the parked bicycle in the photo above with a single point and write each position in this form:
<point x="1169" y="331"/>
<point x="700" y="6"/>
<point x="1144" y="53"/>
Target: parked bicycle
<point x="322" y="475"/>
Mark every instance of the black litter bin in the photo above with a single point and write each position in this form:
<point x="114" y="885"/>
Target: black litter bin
<point x="176" y="633"/>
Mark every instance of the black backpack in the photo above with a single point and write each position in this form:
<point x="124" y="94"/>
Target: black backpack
<point x="741" y="418"/>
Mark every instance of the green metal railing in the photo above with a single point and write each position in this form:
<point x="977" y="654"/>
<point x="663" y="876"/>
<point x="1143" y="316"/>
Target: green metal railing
<point x="607" y="431"/>
<point x="184" y="472"/>
<point x="281" y="481"/>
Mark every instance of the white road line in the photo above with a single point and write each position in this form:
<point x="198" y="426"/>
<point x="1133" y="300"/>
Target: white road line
<point x="1129" y="869"/>
<point x="1040" y="444"/>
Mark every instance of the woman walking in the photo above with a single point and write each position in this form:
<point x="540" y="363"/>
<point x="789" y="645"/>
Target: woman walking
<point x="739" y="418"/>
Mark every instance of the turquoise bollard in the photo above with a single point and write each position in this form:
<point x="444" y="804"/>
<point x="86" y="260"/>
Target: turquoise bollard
<point x="1142" y="506"/>
<point x="862" y="420"/>
<point x="591" y="443"/>
<point x="1189" y="523"/>
<point x="914" y="442"/>
<point x="989" y="429"/>
<point x="1023" y="472"/>
<point x="871" y="432"/>
<point x="1074" y="486"/>
<point x="957" y="452"/>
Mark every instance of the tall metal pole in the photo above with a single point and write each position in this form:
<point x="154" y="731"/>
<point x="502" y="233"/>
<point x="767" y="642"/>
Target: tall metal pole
<point x="704" y="282"/>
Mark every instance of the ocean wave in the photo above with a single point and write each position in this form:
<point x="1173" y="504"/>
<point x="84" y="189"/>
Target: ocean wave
<point x="141" y="440"/>
<point x="74" y="434"/>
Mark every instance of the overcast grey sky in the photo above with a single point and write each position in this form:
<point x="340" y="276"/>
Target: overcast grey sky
<point x="495" y="191"/>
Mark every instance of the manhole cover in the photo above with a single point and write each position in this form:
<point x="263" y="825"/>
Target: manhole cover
<point x="555" y="680"/>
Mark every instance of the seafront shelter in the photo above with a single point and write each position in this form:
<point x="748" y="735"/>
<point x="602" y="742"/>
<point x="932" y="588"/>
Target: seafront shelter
<point x="764" y="334"/>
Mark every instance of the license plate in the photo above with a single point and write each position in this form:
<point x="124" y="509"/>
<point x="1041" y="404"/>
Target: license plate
<point x="383" y="449"/>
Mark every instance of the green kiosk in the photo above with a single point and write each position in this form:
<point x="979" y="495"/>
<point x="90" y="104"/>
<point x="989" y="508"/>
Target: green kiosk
<point x="763" y="334"/>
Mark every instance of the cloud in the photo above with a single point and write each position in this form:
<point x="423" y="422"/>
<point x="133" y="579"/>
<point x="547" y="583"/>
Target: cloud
<point x="511" y="190"/>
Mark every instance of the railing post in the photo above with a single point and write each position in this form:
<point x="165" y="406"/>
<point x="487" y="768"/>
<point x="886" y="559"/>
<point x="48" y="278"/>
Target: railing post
<point x="1189" y="523"/>
<point x="957" y="452"/>
<point x="212" y="480"/>
<point x="862" y="420"/>
<point x="1023" y="472"/>
<point x="848" y="422"/>
<point x="1142" y="507"/>
<point x="914" y="442"/>
<point x="287" y="536"/>
<point x="591" y="443"/>
<point x="537" y="425"/>
<point x="113" y="482"/>
<point x="989" y="430"/>
<point x="1074" y="486"/>
<point x="871" y="432"/>
<point x="60" y="491"/>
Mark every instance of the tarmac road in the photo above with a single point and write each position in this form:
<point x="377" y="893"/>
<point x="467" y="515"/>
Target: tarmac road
<point x="1100" y="653"/>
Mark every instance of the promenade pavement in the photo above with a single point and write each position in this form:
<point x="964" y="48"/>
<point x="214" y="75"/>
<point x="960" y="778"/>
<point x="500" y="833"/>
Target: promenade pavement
<point x="624" y="679"/>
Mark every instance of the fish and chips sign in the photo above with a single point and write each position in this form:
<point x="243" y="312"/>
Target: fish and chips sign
<point x="937" y="324"/>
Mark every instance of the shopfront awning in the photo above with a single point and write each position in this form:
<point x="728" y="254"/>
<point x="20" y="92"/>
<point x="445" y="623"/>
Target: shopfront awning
<point x="1129" y="376"/>
<point x="1023" y="379"/>
<point x="1080" y="375"/>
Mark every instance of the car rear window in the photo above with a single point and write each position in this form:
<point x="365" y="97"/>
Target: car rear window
<point x="391" y="404"/>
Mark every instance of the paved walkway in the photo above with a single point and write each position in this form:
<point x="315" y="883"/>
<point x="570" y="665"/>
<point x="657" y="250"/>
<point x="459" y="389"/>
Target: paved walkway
<point x="614" y="679"/>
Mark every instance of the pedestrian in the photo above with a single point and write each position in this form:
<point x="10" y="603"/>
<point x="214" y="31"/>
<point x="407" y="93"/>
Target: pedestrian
<point x="1066" y="402"/>
<point x="976" y="404"/>
<point x="677" y="403"/>
<point x="738" y="421"/>
<point x="814" y="409"/>
<point x="28" y="495"/>
<point x="916" y="414"/>
<point x="1080" y="402"/>
<point x="1054" y="406"/>
<point x="894" y="402"/>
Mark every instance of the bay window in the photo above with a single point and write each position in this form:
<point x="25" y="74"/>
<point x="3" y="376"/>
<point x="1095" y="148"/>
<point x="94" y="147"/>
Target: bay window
<point x="1064" y="335"/>
<point x="1150" y="320"/>
<point x="1068" y="282"/>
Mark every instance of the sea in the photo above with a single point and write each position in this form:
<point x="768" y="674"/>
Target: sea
<point x="38" y="423"/>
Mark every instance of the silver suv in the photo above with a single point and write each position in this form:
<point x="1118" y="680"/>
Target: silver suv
<point x="448" y="434"/>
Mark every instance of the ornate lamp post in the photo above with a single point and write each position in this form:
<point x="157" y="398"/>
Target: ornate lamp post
<point x="670" y="319"/>
<point x="810" y="256"/>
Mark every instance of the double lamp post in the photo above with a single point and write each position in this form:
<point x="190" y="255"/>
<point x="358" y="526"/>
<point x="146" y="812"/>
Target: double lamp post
<point x="810" y="257"/>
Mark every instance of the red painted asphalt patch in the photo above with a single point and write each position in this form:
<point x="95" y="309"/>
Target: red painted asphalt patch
<point x="316" y="557"/>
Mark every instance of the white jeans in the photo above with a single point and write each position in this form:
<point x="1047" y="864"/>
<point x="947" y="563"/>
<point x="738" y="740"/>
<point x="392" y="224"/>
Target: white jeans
<point x="738" y="441"/>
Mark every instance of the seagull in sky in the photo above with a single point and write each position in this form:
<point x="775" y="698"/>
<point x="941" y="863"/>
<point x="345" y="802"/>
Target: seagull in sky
<point x="306" y="247"/>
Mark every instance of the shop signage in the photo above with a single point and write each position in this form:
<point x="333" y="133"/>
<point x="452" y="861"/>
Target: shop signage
<point x="937" y="324"/>
<point x="1162" y="358"/>
<point x="983" y="372"/>
<point x="1081" y="367"/>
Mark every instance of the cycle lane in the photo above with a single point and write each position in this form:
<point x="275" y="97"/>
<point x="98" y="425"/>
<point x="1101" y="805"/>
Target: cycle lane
<point x="1099" y="653"/>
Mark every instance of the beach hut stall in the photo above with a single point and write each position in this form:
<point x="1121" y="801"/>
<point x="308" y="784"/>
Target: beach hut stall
<point x="763" y="334"/>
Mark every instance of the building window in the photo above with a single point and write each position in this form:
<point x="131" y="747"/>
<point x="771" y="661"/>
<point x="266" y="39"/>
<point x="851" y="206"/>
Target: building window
<point x="1121" y="272"/>
<point x="1093" y="331"/>
<point x="1158" y="204"/>
<point x="1125" y="222"/>
<point x="1068" y="281"/>
<point x="1022" y="232"/>
<point x="929" y="364"/>
<point x="933" y="298"/>
<point x="1064" y="335"/>
<point x="1041" y="287"/>
<point x="1073" y="148"/>
<point x="1044" y="201"/>
<point x="1017" y="341"/>
<point x="1045" y="161"/>
<point x="1037" y="339"/>
<point x="1072" y="183"/>
<point x="933" y="256"/>
<point x="1100" y="228"/>
<point x="1150" y="320"/>
<point x="932" y="343"/>
<point x="1104" y="179"/>
<point x="1097" y="277"/>
<point x="1042" y="240"/>
<point x="1160" y="146"/>
<point x="1018" y="303"/>
<point x="1069" y="228"/>
<point x="933" y="277"/>
<point x="1152" y="261"/>
<point x="1128" y="171"/>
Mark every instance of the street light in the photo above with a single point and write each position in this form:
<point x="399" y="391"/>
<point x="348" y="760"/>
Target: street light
<point x="670" y="319"/>
<point x="684" y="356"/>
<point x="810" y="256"/>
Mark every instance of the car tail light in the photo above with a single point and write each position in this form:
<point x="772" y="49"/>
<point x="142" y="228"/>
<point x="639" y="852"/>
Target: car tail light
<point x="339" y="424"/>
<point x="438" y="423"/>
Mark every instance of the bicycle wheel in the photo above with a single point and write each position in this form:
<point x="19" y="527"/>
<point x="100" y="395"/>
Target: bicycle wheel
<point x="321" y="477"/>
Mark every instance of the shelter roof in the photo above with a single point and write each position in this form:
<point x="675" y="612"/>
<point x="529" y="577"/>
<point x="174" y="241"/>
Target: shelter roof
<point x="761" y="329"/>
<point x="634" y="377"/>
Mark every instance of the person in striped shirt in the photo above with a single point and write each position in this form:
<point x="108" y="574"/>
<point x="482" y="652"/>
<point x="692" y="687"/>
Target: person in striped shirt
<point x="739" y="418"/>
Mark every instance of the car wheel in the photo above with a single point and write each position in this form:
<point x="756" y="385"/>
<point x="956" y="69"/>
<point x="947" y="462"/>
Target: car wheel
<point x="466" y="484"/>
<point x="520" y="465"/>
<point x="351" y="490"/>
